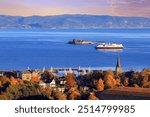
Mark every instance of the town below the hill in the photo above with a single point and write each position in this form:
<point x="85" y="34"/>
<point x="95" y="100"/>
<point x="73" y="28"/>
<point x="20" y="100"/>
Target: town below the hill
<point x="75" y="84"/>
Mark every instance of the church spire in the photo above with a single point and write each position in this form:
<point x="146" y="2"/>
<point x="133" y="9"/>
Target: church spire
<point x="118" y="66"/>
<point x="118" y="62"/>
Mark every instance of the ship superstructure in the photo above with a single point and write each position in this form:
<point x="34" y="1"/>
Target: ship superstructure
<point x="109" y="46"/>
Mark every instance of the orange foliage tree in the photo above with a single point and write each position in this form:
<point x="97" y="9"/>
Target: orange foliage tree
<point x="19" y="81"/>
<point x="34" y="78"/>
<point x="59" y="95"/>
<point x="70" y="80"/>
<point x="1" y="84"/>
<point x="92" y="96"/>
<point x="4" y="80"/>
<point x="73" y="93"/>
<point x="13" y="81"/>
<point x="109" y="80"/>
<point x="100" y="85"/>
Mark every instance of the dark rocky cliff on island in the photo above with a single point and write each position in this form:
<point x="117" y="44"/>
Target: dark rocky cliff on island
<point x="73" y="21"/>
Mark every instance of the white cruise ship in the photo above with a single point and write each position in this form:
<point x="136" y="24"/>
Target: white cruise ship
<point x="109" y="46"/>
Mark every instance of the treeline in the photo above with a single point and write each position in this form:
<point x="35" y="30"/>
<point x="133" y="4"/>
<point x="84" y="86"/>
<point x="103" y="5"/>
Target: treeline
<point x="101" y="80"/>
<point x="15" y="89"/>
<point x="81" y="87"/>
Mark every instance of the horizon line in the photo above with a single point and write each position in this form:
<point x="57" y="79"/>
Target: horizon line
<point x="72" y="14"/>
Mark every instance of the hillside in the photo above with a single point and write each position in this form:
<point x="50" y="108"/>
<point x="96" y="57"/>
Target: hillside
<point x="73" y="21"/>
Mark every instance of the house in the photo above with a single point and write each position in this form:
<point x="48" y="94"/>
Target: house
<point x="53" y="83"/>
<point x="63" y="82"/>
<point x="26" y="75"/>
<point x="1" y="73"/>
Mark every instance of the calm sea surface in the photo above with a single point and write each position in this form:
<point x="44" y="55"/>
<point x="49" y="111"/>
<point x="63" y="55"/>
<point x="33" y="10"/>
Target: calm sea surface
<point x="45" y="48"/>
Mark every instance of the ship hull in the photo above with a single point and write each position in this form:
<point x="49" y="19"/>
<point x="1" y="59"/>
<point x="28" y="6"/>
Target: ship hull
<point x="109" y="47"/>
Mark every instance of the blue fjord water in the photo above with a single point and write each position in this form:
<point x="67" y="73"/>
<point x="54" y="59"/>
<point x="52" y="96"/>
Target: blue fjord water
<point x="40" y="48"/>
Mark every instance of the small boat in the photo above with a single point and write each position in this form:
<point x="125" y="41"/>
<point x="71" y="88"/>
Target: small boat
<point x="84" y="42"/>
<point x="109" y="46"/>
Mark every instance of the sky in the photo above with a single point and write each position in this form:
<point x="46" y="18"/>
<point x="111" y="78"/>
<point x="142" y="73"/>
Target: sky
<point x="57" y="7"/>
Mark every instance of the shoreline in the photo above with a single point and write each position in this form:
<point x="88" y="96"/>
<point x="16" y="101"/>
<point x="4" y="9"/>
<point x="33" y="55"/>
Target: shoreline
<point x="87" y="68"/>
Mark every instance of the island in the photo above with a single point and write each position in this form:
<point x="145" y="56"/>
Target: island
<point x="77" y="41"/>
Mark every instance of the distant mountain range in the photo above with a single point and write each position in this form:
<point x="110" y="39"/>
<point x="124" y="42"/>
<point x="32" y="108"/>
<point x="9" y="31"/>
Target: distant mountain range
<point x="73" y="21"/>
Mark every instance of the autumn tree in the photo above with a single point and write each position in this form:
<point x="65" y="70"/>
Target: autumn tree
<point x="109" y="80"/>
<point x="100" y="85"/>
<point x="136" y="79"/>
<point x="3" y="96"/>
<point x="118" y="82"/>
<point x="126" y="81"/>
<point x="0" y="84"/>
<point x="58" y="95"/>
<point x="144" y="76"/>
<point x="92" y="96"/>
<point x="73" y="93"/>
<point x="19" y="81"/>
<point x="13" y="92"/>
<point x="4" y="80"/>
<point x="34" y="78"/>
<point x="70" y="80"/>
<point x="109" y="72"/>
<point x="13" y="81"/>
<point x="47" y="92"/>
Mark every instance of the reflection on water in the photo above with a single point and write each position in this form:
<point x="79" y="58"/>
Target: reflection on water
<point x="110" y="50"/>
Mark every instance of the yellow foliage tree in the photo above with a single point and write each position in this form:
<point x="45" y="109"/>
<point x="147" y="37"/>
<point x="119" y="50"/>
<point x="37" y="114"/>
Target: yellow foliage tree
<point x="110" y="82"/>
<point x="100" y="85"/>
<point x="109" y="72"/>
